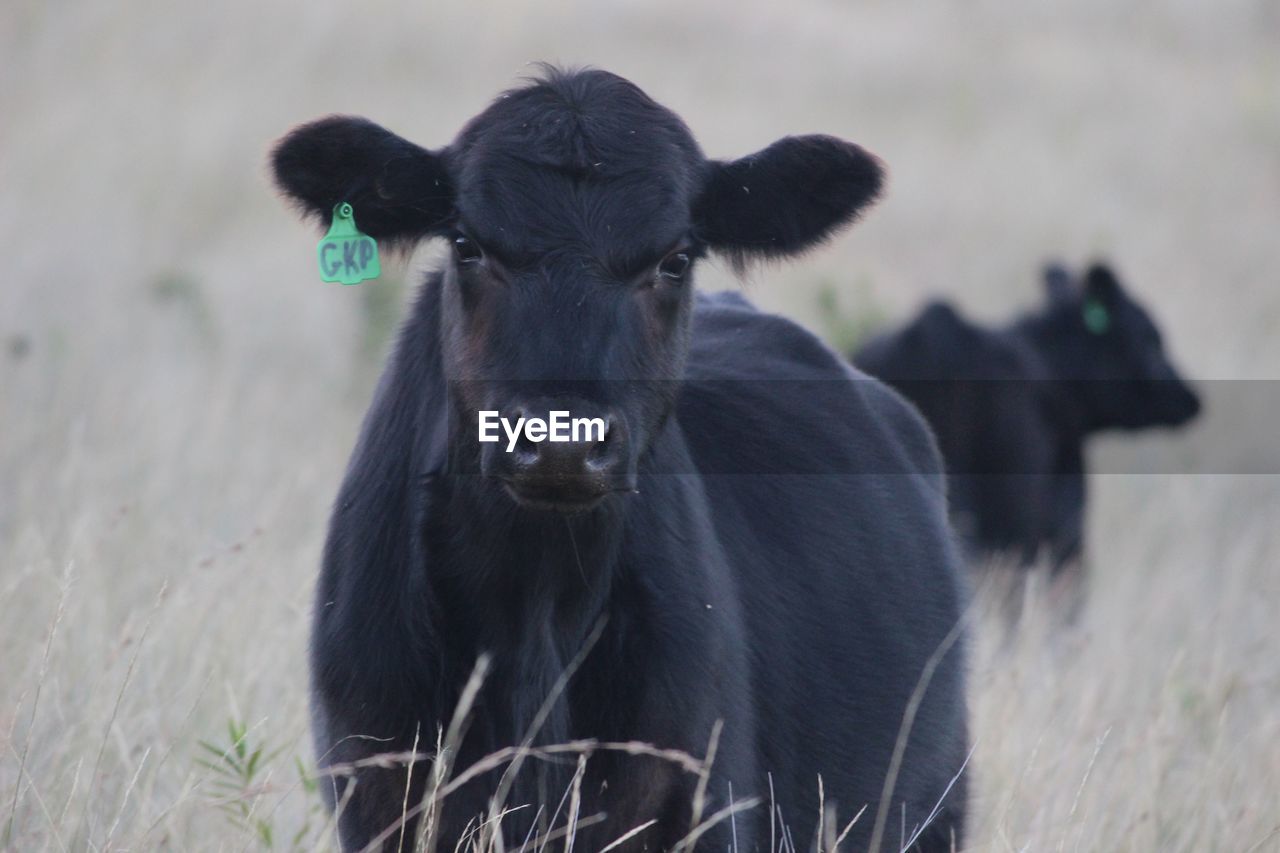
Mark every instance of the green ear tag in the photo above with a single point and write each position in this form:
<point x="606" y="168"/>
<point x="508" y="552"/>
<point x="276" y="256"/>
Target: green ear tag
<point x="345" y="254"/>
<point x="1097" y="318"/>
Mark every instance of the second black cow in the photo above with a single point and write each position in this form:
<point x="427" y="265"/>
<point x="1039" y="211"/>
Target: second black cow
<point x="1013" y="407"/>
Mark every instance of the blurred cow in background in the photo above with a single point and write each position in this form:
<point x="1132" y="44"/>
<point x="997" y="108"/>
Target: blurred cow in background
<point x="1013" y="406"/>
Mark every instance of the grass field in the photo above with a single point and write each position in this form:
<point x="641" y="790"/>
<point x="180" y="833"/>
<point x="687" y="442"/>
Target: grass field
<point x="178" y="391"/>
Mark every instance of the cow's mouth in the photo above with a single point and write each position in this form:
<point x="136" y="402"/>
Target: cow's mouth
<point x="564" y="498"/>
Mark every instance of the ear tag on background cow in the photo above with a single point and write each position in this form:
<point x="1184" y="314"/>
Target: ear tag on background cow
<point x="345" y="254"/>
<point x="1097" y="318"/>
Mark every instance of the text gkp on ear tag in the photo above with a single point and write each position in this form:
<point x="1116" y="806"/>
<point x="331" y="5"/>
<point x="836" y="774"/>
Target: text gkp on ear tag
<point x="345" y="254"/>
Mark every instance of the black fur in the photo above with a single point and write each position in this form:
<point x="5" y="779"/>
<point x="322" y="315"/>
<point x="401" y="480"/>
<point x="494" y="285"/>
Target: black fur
<point x="1013" y="407"/>
<point x="800" y="610"/>
<point x="401" y="192"/>
<point x="745" y="208"/>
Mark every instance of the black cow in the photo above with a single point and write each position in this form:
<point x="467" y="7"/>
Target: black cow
<point x="577" y="208"/>
<point x="1012" y="407"/>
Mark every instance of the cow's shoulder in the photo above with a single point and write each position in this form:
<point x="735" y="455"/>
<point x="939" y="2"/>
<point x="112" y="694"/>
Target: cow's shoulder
<point x="942" y="344"/>
<point x="763" y="387"/>
<point x="733" y="340"/>
<point x="730" y="299"/>
<point x="941" y="324"/>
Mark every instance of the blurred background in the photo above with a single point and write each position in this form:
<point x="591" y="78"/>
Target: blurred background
<point x="179" y="391"/>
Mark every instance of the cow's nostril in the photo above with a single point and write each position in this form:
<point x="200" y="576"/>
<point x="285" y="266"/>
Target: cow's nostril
<point x="603" y="449"/>
<point x="526" y="450"/>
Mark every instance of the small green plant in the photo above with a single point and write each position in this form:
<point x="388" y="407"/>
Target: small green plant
<point x="846" y="330"/>
<point x="238" y="769"/>
<point x="183" y="294"/>
<point x="310" y="784"/>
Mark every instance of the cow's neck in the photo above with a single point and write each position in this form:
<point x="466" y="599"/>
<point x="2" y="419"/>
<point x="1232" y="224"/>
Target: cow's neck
<point x="505" y="573"/>
<point x="526" y="587"/>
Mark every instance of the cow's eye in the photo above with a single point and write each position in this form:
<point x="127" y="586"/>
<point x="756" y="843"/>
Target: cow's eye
<point x="466" y="250"/>
<point x="674" y="265"/>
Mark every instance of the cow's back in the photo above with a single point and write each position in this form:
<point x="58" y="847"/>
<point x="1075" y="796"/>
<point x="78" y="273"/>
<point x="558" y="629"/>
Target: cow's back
<point x="839" y="542"/>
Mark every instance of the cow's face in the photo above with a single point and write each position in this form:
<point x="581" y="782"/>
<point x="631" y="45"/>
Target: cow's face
<point x="1114" y="346"/>
<point x="576" y="210"/>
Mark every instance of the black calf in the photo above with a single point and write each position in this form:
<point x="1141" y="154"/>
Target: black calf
<point x="799" y="611"/>
<point x="1012" y="407"/>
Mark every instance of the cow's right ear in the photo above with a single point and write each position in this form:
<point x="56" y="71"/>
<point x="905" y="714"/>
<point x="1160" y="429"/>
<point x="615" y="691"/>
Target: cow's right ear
<point x="1100" y="282"/>
<point x="400" y="191"/>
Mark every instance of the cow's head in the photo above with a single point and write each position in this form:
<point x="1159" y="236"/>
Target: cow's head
<point x="576" y="209"/>
<point x="1107" y="341"/>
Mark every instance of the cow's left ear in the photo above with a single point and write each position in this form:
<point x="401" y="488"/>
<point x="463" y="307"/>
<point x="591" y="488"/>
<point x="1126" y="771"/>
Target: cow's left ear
<point x="400" y="192"/>
<point x="786" y="198"/>
<point x="1058" y="284"/>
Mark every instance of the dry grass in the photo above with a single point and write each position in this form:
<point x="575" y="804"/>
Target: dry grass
<point x="178" y="392"/>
